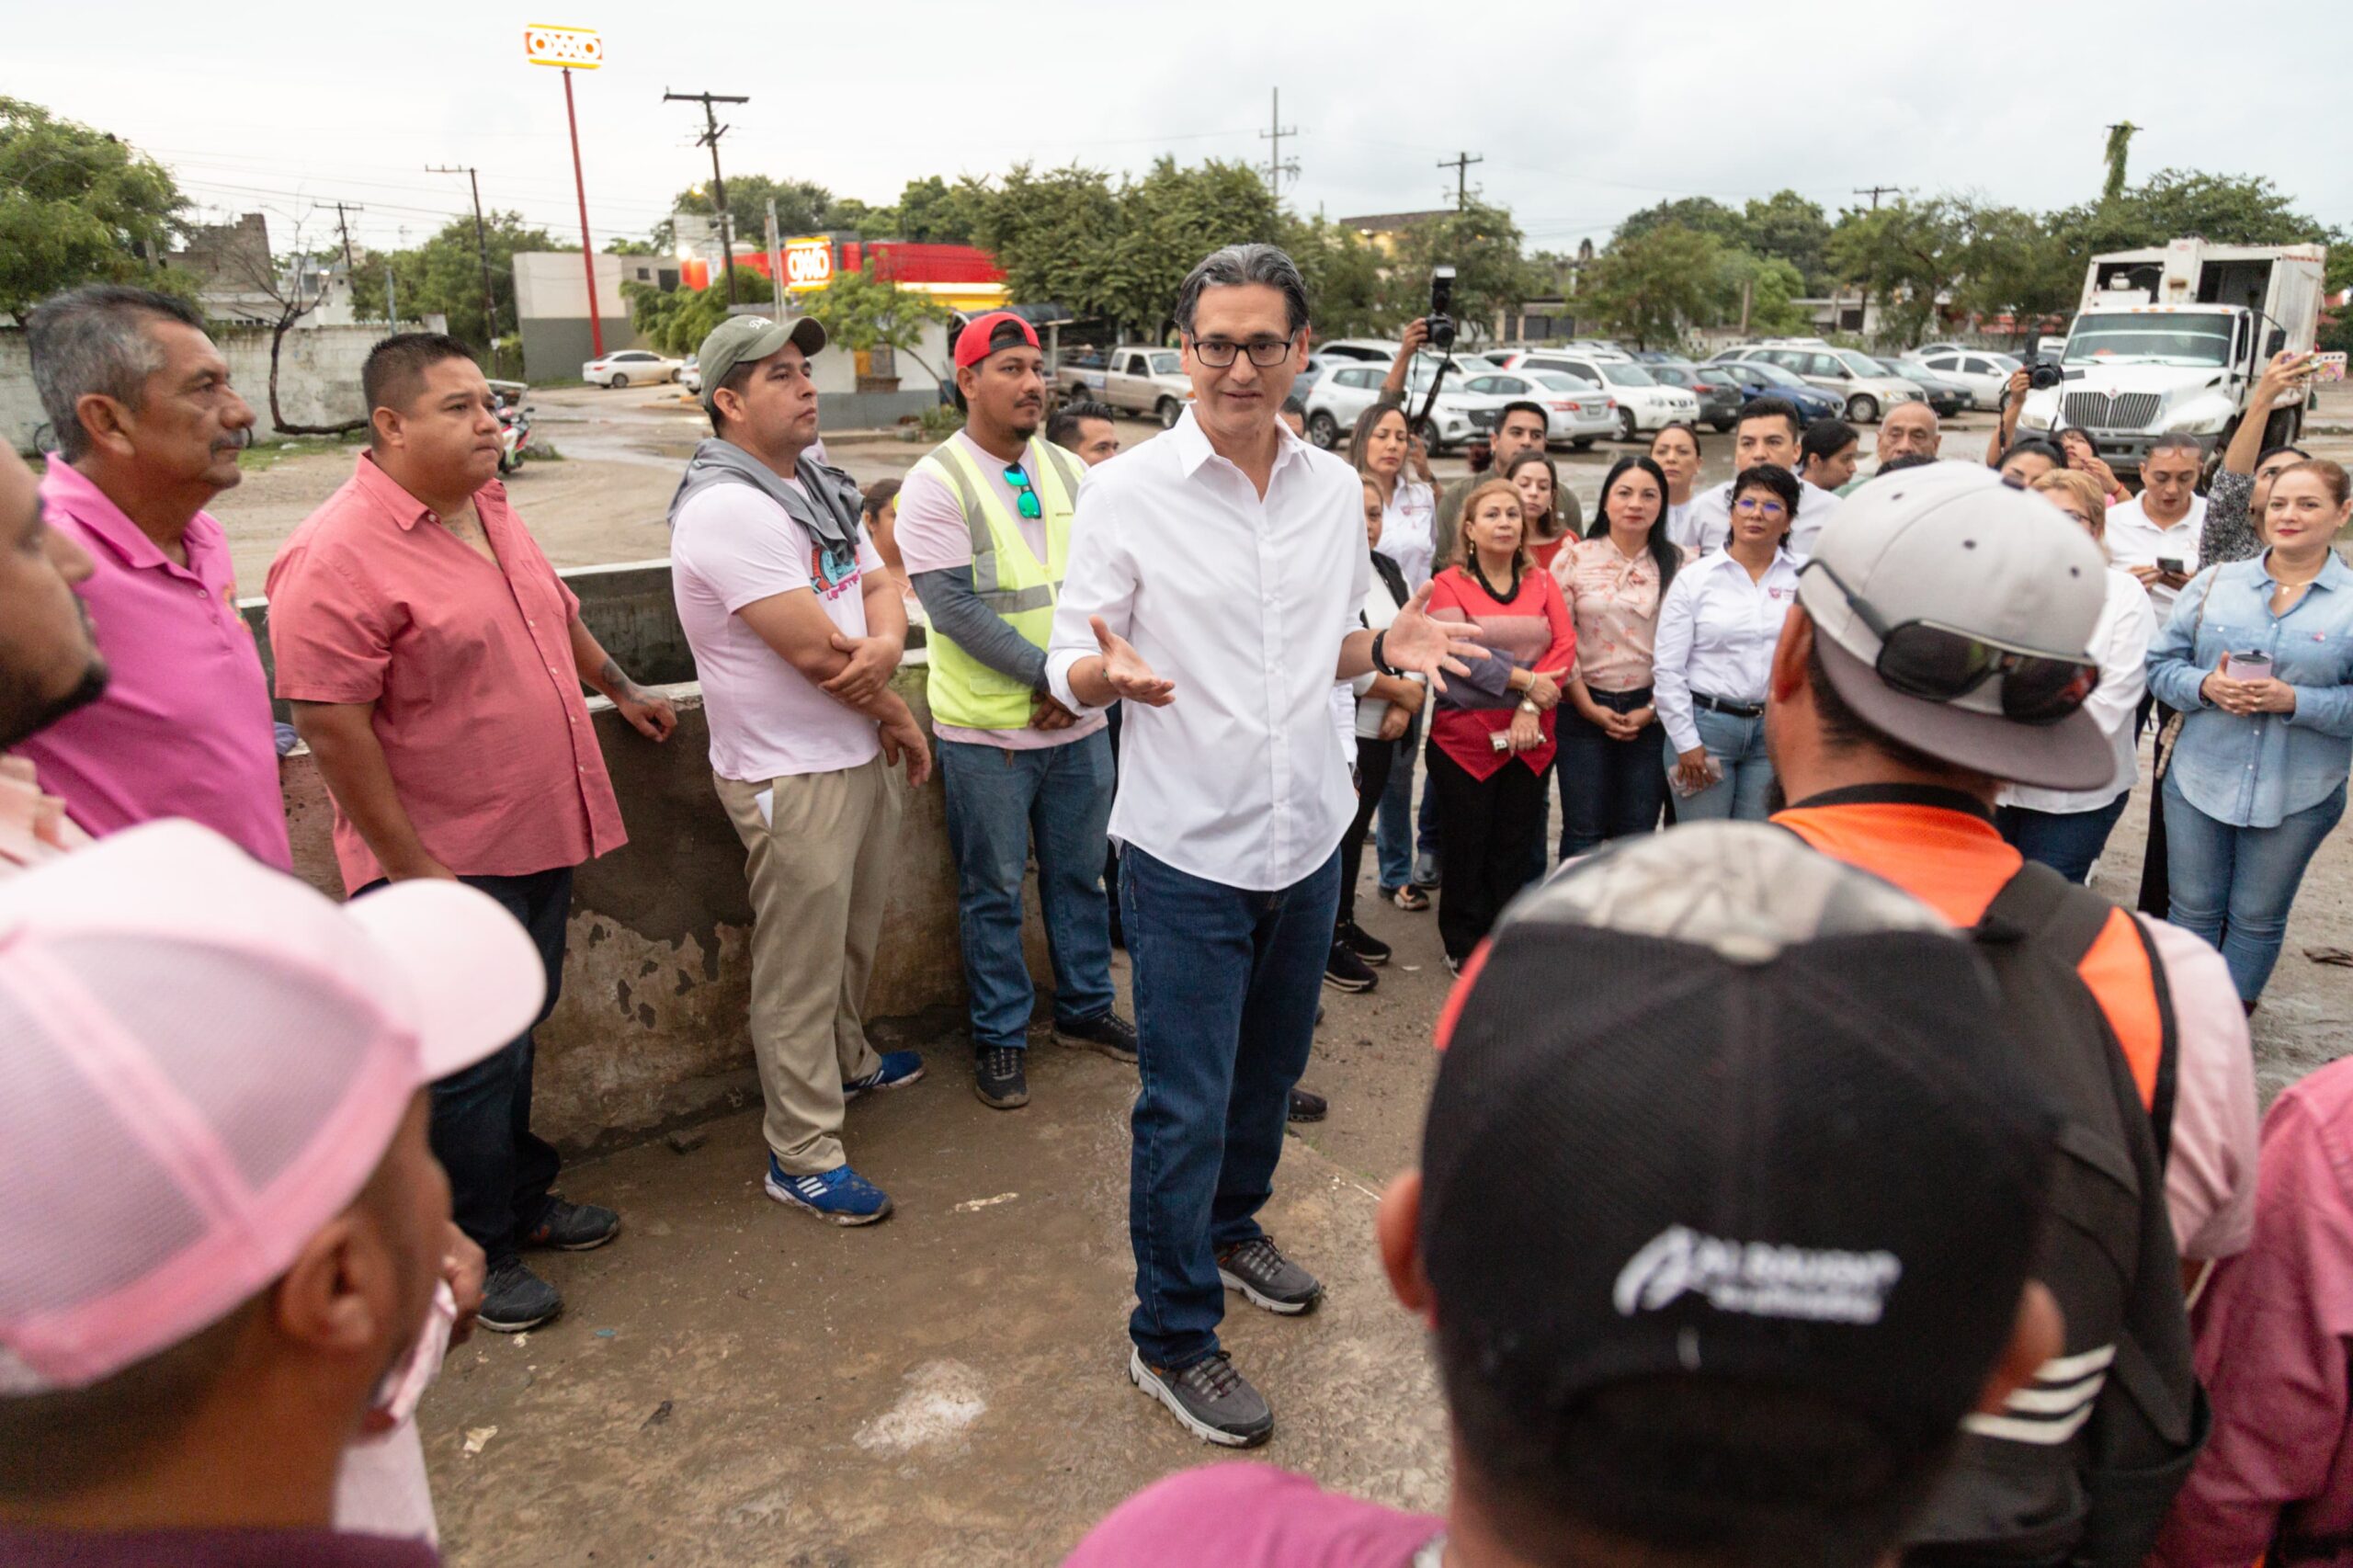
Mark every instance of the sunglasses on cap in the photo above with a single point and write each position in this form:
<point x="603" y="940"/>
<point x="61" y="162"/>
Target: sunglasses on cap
<point x="1944" y="664"/>
<point x="1023" y="497"/>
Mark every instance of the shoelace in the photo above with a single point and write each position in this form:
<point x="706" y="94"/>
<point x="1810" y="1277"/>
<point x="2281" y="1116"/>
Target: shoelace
<point x="1257" y="1255"/>
<point x="999" y="1059"/>
<point x="1214" y="1377"/>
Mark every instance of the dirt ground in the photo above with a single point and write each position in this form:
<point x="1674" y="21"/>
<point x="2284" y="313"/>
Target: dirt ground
<point x="732" y="1383"/>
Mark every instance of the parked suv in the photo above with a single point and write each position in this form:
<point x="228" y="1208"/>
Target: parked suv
<point x="1719" y="398"/>
<point x="1866" y="388"/>
<point x="1642" y="403"/>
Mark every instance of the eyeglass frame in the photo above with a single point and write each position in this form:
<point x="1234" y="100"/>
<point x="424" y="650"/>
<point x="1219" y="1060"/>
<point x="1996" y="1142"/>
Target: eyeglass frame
<point x="1233" y="351"/>
<point x="1877" y="624"/>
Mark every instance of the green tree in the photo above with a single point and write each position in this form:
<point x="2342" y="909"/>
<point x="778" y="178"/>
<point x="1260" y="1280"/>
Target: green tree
<point x="443" y="276"/>
<point x="1490" y="276"/>
<point x="1786" y="225"/>
<point x="2118" y="155"/>
<point x="2013" y="263"/>
<point x="1699" y="213"/>
<point x="932" y="211"/>
<point x="1172" y="218"/>
<point x="1905" y="255"/>
<point x="677" y="322"/>
<point x="1770" y="283"/>
<point x="863" y="310"/>
<point x="1052" y="234"/>
<point x="2232" y="210"/>
<point x="1344" y="278"/>
<point x="1650" y="288"/>
<point x="78" y="206"/>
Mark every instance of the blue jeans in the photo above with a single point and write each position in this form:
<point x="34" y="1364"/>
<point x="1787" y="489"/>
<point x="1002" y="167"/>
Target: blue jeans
<point x="1393" y="828"/>
<point x="1608" y="789"/>
<point x="1738" y="746"/>
<point x="2234" y="885"/>
<point x="500" y="1171"/>
<point x="1226" y="982"/>
<point x="2067" y="842"/>
<point x="999" y="802"/>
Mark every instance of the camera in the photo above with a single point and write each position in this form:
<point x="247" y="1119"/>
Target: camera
<point x="2043" y="374"/>
<point x="1442" y="318"/>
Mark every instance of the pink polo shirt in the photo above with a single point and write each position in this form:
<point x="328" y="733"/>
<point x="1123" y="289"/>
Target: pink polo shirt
<point x="183" y="729"/>
<point x="478" y="702"/>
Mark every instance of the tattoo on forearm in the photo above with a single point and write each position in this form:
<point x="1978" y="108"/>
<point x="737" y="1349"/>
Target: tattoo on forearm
<point x="618" y="684"/>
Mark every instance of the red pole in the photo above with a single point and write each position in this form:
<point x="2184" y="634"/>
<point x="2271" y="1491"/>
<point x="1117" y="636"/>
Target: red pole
<point x="587" y="247"/>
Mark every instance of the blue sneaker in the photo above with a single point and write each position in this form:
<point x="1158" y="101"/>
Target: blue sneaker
<point x="840" y="1195"/>
<point x="899" y="1068"/>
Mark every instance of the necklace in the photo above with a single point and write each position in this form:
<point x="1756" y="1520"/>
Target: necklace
<point x="1480" y="574"/>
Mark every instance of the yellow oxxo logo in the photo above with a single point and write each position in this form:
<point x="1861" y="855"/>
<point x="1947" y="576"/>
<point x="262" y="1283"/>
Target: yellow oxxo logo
<point x="576" y="49"/>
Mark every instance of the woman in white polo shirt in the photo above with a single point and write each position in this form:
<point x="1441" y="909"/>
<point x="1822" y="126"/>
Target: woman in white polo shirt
<point x="1379" y="449"/>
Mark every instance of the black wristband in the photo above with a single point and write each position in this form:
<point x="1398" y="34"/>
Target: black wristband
<point x="1380" y="664"/>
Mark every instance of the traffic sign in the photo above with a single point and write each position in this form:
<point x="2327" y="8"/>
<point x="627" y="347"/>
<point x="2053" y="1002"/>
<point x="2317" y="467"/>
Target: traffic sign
<point x="575" y="48"/>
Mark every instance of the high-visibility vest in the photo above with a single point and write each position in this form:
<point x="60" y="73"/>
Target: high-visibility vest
<point x="1006" y="575"/>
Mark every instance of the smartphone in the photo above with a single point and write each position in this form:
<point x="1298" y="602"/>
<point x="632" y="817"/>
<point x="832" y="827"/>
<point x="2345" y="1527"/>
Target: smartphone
<point x="2329" y="367"/>
<point x="2169" y="563"/>
<point x="2247" y="666"/>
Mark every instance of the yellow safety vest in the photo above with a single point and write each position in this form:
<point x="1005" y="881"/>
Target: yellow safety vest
<point x="1009" y="578"/>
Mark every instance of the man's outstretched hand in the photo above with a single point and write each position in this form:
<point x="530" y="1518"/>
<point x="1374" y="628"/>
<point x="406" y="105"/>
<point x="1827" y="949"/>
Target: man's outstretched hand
<point x="1125" y="671"/>
<point x="1417" y="640"/>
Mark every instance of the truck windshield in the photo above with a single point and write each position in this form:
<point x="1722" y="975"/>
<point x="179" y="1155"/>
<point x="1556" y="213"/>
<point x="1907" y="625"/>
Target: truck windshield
<point x="2182" y="339"/>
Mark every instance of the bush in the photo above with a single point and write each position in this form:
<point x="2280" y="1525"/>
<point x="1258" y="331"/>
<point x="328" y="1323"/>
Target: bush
<point x="941" y="421"/>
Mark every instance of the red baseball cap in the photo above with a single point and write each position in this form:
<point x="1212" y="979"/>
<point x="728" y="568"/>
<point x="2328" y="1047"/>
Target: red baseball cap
<point x="984" y="334"/>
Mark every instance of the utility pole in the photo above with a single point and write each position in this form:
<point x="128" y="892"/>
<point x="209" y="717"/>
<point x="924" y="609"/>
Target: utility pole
<point x="1461" y="163"/>
<point x="482" y="247"/>
<point x="712" y="131"/>
<point x="343" y="222"/>
<point x="776" y="260"/>
<point x="391" y="302"/>
<point x="1876" y="191"/>
<point x="1276" y="132"/>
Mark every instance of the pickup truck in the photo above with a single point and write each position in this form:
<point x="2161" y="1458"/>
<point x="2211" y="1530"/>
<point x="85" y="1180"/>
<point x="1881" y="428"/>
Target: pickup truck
<point x="2172" y="340"/>
<point x="1134" y="377"/>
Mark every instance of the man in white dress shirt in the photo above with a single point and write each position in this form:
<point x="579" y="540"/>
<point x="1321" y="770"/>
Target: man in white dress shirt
<point x="1214" y="580"/>
<point x="1769" y="432"/>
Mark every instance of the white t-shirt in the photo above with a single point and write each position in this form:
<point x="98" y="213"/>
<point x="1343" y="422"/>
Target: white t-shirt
<point x="1409" y="530"/>
<point x="731" y="546"/>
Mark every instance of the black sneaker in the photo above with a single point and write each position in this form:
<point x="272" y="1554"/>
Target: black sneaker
<point x="1307" y="1107"/>
<point x="1259" y="1270"/>
<point x="1363" y="943"/>
<point x="998" y="1079"/>
<point x="1108" y="1033"/>
<point x="1345" y="972"/>
<point x="1215" y="1403"/>
<point x="515" y="1299"/>
<point x="573" y="1227"/>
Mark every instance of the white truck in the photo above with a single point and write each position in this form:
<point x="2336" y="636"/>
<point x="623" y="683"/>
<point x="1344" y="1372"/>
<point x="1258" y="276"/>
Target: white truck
<point x="2171" y="340"/>
<point x="1134" y="377"/>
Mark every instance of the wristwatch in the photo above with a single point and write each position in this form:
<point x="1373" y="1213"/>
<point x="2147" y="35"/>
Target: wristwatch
<point x="1527" y="705"/>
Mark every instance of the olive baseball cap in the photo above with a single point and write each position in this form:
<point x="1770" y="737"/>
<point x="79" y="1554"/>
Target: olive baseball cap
<point x="1955" y="544"/>
<point x="743" y="340"/>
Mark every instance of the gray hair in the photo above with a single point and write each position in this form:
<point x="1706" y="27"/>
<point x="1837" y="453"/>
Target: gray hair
<point x="1237" y="264"/>
<point x="2173" y="440"/>
<point x="94" y="339"/>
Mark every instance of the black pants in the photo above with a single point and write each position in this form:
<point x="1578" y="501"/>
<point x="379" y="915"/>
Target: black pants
<point x="1374" y="759"/>
<point x="500" y="1171"/>
<point x="1609" y="789"/>
<point x="1486" y="830"/>
<point x="2156" y="889"/>
<point x="1110" y="850"/>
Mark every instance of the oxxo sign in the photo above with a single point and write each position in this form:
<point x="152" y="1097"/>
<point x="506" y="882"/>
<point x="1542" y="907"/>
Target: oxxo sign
<point x="808" y="263"/>
<point x="575" y="49"/>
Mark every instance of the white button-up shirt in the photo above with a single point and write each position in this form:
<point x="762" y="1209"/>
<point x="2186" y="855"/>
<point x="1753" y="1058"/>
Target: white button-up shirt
<point x="2121" y="646"/>
<point x="1716" y="631"/>
<point x="1706" y="524"/>
<point x="2133" y="539"/>
<point x="1242" y="602"/>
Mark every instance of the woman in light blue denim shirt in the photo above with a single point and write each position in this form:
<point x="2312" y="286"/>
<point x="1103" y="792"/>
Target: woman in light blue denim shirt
<point x="2259" y="776"/>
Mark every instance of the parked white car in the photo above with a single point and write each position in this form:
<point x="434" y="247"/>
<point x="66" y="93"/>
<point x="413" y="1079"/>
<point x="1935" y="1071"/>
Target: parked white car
<point x="1643" y="401"/>
<point x="690" y="376"/>
<point x="1574" y="413"/>
<point x="1985" y="373"/>
<point x="630" y="368"/>
<point x="1868" y="390"/>
<point x="1341" y="394"/>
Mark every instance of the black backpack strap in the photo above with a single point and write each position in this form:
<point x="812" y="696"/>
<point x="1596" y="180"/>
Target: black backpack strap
<point x="2040" y="905"/>
<point x="2161" y="1098"/>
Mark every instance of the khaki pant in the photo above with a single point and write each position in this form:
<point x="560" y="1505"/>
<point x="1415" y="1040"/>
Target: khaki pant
<point x="819" y="872"/>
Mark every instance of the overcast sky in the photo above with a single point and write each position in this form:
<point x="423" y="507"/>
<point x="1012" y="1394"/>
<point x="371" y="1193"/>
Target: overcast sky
<point x="1581" y="112"/>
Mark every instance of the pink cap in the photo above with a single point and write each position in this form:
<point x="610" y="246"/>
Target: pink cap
<point x="201" y="1063"/>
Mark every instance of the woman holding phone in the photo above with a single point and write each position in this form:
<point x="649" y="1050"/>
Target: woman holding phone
<point x="2258" y="657"/>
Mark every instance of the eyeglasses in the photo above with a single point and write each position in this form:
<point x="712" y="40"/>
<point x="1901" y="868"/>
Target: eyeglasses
<point x="1762" y="508"/>
<point x="1265" y="352"/>
<point x="1023" y="497"/>
<point x="1943" y="664"/>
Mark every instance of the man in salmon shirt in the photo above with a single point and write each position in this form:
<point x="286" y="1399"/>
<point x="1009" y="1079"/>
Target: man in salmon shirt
<point x="1937" y="650"/>
<point x="434" y="662"/>
<point x="148" y="430"/>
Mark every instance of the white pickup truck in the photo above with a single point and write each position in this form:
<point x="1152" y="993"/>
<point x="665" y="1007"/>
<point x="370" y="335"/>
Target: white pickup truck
<point x="1134" y="377"/>
<point x="2171" y="340"/>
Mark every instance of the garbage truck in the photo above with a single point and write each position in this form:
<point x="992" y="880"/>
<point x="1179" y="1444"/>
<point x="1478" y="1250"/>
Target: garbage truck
<point x="2171" y="340"/>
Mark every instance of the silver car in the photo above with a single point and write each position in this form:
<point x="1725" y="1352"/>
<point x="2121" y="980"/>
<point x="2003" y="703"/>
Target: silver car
<point x="1853" y="376"/>
<point x="1985" y="373"/>
<point x="1575" y="412"/>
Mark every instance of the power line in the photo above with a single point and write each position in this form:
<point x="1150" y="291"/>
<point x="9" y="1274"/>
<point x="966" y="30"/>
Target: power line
<point x="710" y="137"/>
<point x="1275" y="167"/>
<point x="1461" y="163"/>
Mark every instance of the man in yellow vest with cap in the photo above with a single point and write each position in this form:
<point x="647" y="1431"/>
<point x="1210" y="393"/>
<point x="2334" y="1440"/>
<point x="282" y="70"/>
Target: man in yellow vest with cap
<point x="984" y="526"/>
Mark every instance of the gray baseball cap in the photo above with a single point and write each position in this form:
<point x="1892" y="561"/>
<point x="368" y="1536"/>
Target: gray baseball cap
<point x="1954" y="544"/>
<point x="740" y="340"/>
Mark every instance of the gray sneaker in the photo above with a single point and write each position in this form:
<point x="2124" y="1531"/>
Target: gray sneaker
<point x="1215" y="1403"/>
<point x="1258" y="1269"/>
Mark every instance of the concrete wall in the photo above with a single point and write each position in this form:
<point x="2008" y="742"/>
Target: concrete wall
<point x="650" y="1031"/>
<point x="551" y="301"/>
<point x="318" y="380"/>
